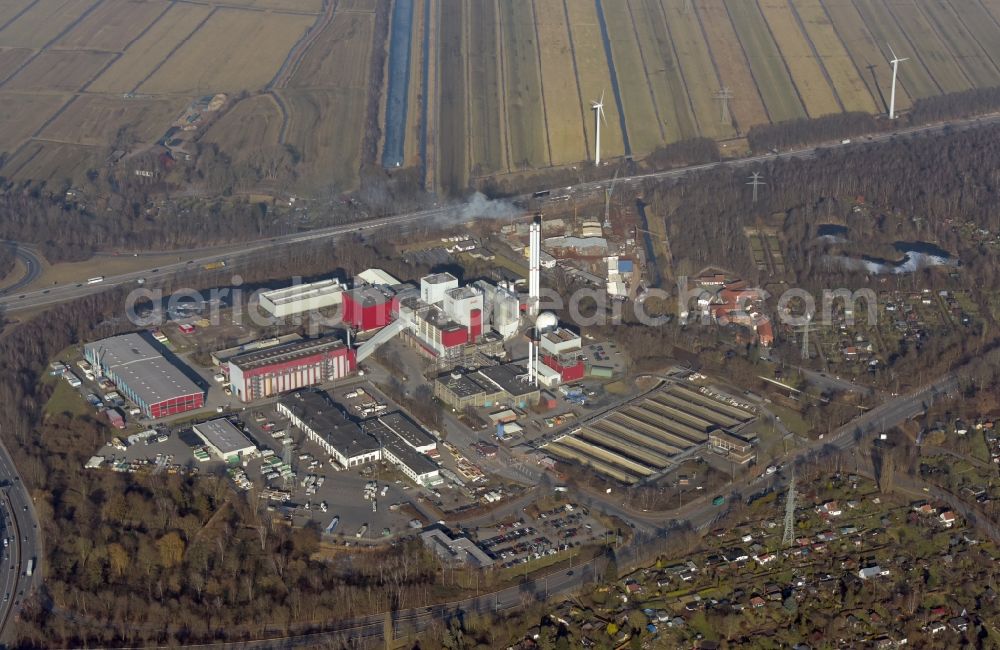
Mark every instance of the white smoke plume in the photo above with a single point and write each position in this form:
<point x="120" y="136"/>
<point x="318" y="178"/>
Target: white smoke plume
<point x="481" y="207"/>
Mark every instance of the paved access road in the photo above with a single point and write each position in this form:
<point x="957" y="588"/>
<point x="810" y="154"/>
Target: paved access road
<point x="447" y="214"/>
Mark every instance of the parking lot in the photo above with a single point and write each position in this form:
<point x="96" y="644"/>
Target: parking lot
<point x="318" y="490"/>
<point x="538" y="534"/>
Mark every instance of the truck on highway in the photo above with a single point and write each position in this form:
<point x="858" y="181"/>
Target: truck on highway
<point x="96" y="279"/>
<point x="211" y="266"/>
<point x="30" y="568"/>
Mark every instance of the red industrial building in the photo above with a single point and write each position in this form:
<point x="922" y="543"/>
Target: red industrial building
<point x="572" y="371"/>
<point x="368" y="308"/>
<point x="289" y="367"/>
<point x="138" y="367"/>
<point x="561" y="351"/>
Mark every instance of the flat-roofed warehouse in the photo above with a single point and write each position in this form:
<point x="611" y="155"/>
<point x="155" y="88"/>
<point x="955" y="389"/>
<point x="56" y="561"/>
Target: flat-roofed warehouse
<point x="489" y="386"/>
<point x="396" y="450"/>
<point x="141" y="372"/>
<point x="323" y="423"/>
<point x="302" y="297"/>
<point x="224" y="440"/>
<point x="351" y="445"/>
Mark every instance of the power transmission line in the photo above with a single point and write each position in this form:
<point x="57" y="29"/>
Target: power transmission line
<point x="756" y="182"/>
<point x="724" y="94"/>
<point x="789" y="535"/>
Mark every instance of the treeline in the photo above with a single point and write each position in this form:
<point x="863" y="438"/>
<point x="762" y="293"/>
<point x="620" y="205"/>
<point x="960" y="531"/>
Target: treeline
<point x="693" y="151"/>
<point x="70" y="230"/>
<point x="796" y="133"/>
<point x="838" y="126"/>
<point x="977" y="101"/>
<point x="8" y="256"/>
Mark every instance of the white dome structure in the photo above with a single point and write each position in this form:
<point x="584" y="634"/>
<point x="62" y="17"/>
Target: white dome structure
<point x="546" y="321"/>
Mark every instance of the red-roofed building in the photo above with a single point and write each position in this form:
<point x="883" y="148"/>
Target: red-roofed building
<point x="368" y="308"/>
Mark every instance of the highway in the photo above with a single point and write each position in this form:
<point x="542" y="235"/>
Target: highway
<point x="20" y="524"/>
<point x="13" y="302"/>
<point x="32" y="267"/>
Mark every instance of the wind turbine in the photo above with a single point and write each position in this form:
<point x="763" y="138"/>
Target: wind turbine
<point x="895" y="61"/>
<point x="598" y="108"/>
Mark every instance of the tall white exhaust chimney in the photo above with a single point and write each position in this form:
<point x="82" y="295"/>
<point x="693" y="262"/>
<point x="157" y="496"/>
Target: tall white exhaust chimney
<point x="534" y="265"/>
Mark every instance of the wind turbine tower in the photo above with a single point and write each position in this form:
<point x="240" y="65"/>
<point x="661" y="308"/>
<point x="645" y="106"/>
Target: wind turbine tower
<point x="895" y="61"/>
<point x="598" y="108"/>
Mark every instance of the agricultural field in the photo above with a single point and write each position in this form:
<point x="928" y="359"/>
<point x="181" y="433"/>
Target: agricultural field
<point x="249" y="133"/>
<point x="23" y="114"/>
<point x="11" y="60"/>
<point x="564" y="108"/>
<point x="809" y="76"/>
<point x="932" y="51"/>
<point x="291" y="6"/>
<point x="144" y="55"/>
<point x="451" y="116"/>
<point x="58" y="70"/>
<point x="215" y="58"/>
<point x="112" y="25"/>
<point x="594" y="78"/>
<point x="356" y="5"/>
<point x="666" y="80"/>
<point x="522" y="85"/>
<point x="325" y="128"/>
<point x="645" y="126"/>
<point x="962" y="45"/>
<point x="495" y="87"/>
<point x="53" y="162"/>
<point x="747" y="106"/>
<point x="415" y="94"/>
<point x="43" y="21"/>
<point x="487" y="121"/>
<point x="769" y="68"/>
<point x="97" y="119"/>
<point x="338" y="58"/>
<point x="10" y="9"/>
<point x="848" y="81"/>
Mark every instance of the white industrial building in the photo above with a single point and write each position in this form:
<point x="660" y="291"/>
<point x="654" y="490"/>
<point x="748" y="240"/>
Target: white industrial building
<point x="375" y="277"/>
<point x="501" y="307"/>
<point x="299" y="298"/>
<point x="224" y="440"/>
<point x="434" y="287"/>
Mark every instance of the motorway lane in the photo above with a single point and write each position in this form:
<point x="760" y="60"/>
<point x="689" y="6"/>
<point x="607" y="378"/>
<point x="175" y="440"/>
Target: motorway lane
<point x="27" y="545"/>
<point x="446" y="214"/>
<point x="32" y="267"/>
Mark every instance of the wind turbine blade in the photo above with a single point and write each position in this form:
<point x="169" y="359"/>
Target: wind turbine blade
<point x="891" y="52"/>
<point x="604" y="117"/>
<point x="602" y="97"/>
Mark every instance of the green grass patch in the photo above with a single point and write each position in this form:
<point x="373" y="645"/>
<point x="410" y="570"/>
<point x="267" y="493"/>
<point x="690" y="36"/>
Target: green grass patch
<point x="791" y="419"/>
<point x="66" y="399"/>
